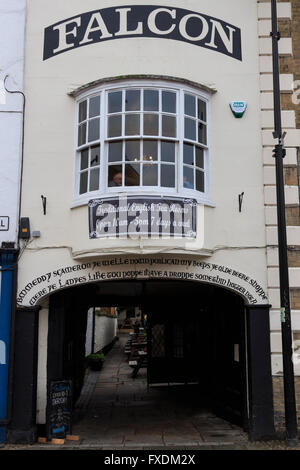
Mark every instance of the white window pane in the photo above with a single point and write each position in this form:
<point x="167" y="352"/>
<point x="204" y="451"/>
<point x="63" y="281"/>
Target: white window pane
<point x="188" y="154"/>
<point x="82" y="134"/>
<point x="189" y="105"/>
<point x="115" y="102"/>
<point x="94" y="130"/>
<point x="132" y="150"/>
<point x="199" y="157"/>
<point x="114" y="126"/>
<point x="188" y="177"/>
<point x="95" y="156"/>
<point x="82" y="111"/>
<point x="201" y="110"/>
<point x="190" y="129"/>
<point x="114" y="175"/>
<point x="167" y="176"/>
<point x="84" y="160"/>
<point x="202" y="133"/>
<point x="150" y="175"/>
<point x="115" y="151"/>
<point x="132" y="174"/>
<point x="132" y="124"/>
<point x="83" y="182"/>
<point x="150" y="124"/>
<point x="168" y="152"/>
<point x="94" y="179"/>
<point x="168" y="102"/>
<point x="150" y="150"/>
<point x="151" y="100"/>
<point x="133" y="100"/>
<point x="168" y="126"/>
<point x="200" y="180"/>
<point x="94" y="106"/>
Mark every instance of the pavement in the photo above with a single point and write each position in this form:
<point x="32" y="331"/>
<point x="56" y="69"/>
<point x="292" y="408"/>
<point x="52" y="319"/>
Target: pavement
<point x="117" y="412"/>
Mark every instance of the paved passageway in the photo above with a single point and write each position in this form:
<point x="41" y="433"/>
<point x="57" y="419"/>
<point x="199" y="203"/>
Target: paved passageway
<point x="117" y="411"/>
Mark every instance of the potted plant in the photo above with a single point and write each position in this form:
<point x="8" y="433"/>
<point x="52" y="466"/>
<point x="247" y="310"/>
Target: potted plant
<point x="95" y="361"/>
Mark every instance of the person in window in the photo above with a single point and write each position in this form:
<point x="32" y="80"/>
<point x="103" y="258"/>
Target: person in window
<point x="187" y="183"/>
<point x="116" y="180"/>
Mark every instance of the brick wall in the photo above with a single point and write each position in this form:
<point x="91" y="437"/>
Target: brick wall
<point x="278" y="396"/>
<point x="289" y="27"/>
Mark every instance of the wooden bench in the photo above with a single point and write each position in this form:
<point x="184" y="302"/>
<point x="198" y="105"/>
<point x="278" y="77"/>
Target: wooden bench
<point x="141" y="362"/>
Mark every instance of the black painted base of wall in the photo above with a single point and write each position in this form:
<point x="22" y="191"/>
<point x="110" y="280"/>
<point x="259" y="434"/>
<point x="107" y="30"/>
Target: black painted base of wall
<point x="22" y="427"/>
<point x="28" y="436"/>
<point x="260" y="388"/>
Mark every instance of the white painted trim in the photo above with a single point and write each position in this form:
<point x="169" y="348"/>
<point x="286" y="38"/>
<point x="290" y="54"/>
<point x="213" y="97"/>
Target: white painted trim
<point x="273" y="277"/>
<point x="284" y="10"/>
<point x="275" y="322"/>
<point x="292" y="138"/>
<point x="293" y="236"/>
<point x="291" y="195"/>
<point x="290" y="158"/>
<point x="286" y="82"/>
<point x="288" y="119"/>
<point x="284" y="46"/>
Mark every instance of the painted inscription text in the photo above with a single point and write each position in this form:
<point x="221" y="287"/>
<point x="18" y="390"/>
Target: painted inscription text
<point x="127" y="268"/>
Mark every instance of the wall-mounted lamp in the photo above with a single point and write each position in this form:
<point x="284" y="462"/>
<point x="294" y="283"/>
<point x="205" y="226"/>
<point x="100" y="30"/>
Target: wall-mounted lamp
<point x="44" y="202"/>
<point x="241" y="196"/>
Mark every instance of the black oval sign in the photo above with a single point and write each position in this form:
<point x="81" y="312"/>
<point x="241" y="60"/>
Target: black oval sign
<point x="143" y="21"/>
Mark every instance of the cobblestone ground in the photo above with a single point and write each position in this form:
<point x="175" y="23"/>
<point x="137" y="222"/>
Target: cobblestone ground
<point x="116" y="412"/>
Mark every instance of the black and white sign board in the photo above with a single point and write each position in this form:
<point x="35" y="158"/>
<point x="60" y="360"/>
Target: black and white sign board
<point x="59" y="409"/>
<point x="131" y="216"/>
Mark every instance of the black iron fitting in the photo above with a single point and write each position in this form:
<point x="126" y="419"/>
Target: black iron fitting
<point x="279" y="151"/>
<point x="276" y="35"/>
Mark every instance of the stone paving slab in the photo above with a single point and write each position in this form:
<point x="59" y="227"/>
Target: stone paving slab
<point x="116" y="412"/>
<point x="129" y="413"/>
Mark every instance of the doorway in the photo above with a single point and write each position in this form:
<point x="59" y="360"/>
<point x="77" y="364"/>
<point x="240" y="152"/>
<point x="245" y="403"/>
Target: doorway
<point x="213" y="343"/>
<point x="195" y="338"/>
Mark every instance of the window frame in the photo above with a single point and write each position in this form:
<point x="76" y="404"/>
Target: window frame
<point x="178" y="191"/>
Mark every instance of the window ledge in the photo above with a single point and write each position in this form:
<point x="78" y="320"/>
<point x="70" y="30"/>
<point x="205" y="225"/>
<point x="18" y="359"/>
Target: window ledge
<point x="208" y="88"/>
<point x="83" y="201"/>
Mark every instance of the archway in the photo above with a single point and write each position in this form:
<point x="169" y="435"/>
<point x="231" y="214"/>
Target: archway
<point x="202" y="332"/>
<point x="224" y="344"/>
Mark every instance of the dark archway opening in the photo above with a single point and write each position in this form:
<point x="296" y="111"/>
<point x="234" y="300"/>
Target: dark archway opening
<point x="196" y="337"/>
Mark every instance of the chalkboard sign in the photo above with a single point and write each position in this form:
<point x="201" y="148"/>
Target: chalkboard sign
<point x="59" y="409"/>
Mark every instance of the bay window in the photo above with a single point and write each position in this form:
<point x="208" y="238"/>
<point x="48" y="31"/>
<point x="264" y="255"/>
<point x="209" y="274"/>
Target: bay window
<point x="142" y="137"/>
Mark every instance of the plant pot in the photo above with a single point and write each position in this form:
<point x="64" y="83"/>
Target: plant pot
<point x="95" y="365"/>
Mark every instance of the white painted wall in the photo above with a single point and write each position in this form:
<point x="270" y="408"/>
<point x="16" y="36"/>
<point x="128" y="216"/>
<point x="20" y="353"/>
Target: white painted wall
<point x="12" y="29"/>
<point x="231" y="238"/>
<point x="105" y="331"/>
<point x="89" y="333"/>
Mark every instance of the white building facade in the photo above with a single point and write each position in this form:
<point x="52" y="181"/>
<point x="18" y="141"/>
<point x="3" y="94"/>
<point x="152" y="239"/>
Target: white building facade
<point x="147" y="163"/>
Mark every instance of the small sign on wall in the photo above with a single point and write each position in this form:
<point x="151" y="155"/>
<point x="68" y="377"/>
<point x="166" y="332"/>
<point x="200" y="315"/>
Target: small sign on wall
<point x="238" y="108"/>
<point x="4" y="223"/>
